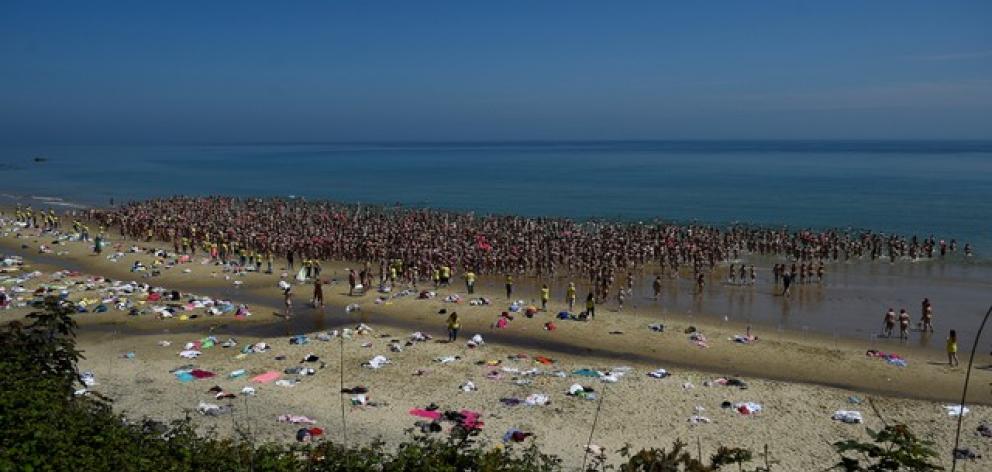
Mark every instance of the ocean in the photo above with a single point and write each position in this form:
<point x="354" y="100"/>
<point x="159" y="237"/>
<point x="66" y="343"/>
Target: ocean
<point x="905" y="187"/>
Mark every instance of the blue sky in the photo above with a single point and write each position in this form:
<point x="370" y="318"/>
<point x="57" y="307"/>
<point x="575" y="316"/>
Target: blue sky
<point x="115" y="72"/>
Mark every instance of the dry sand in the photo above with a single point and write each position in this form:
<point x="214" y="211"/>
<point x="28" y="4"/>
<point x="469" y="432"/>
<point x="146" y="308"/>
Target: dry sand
<point x="792" y="375"/>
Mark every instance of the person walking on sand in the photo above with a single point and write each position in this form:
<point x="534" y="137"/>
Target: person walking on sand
<point x="570" y="296"/>
<point x="318" y="293"/>
<point x="509" y="286"/>
<point x="352" y="281"/>
<point x="952" y="349"/>
<point x="287" y="296"/>
<point x="903" y="324"/>
<point x="657" y="287"/>
<point x="545" y="296"/>
<point x="620" y="298"/>
<point x="445" y="276"/>
<point x="591" y="306"/>
<point x="470" y="282"/>
<point x="453" y="327"/>
<point x="889" y="322"/>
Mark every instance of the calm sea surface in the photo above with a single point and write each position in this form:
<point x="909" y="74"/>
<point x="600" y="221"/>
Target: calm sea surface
<point x="920" y="187"/>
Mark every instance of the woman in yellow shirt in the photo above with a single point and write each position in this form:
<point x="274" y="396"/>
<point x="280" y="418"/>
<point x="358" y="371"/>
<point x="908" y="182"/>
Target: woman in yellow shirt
<point x="952" y="348"/>
<point x="470" y="282"/>
<point x="453" y="327"/>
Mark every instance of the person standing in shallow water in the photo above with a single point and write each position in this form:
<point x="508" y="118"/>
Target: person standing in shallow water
<point x="509" y="286"/>
<point x="926" y="321"/>
<point x="657" y="287"/>
<point x="889" y="322"/>
<point x="903" y="324"/>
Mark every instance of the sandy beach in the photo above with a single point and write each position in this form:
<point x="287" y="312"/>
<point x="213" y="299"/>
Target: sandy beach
<point x="799" y="379"/>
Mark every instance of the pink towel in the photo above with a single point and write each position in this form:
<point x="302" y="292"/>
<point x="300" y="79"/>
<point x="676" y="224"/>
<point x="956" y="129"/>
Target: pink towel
<point x="267" y="377"/>
<point x="432" y="415"/>
<point x="471" y="420"/>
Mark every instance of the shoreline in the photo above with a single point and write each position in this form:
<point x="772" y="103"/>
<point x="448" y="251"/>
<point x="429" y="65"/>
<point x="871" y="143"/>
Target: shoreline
<point x="771" y="357"/>
<point x="856" y="290"/>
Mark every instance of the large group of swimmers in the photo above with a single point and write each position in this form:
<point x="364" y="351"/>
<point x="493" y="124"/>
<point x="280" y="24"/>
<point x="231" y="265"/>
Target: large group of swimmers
<point x="421" y="242"/>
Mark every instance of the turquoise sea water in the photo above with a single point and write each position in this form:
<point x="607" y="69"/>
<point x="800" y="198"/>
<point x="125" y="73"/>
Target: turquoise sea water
<point x="907" y="187"/>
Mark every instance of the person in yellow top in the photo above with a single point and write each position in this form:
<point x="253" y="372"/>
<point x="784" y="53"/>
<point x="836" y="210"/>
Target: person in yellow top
<point x="509" y="286"/>
<point x="590" y="305"/>
<point x="952" y="348"/>
<point x="453" y="327"/>
<point x="470" y="282"/>
<point x="570" y="295"/>
<point x="445" y="275"/>
<point x="436" y="276"/>
<point x="545" y="296"/>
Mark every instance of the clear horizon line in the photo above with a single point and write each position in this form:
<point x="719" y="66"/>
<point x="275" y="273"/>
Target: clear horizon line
<point x="499" y="141"/>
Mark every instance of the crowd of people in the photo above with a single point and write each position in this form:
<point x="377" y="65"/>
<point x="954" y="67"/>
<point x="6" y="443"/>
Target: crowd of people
<point x="410" y="245"/>
<point x="422" y="242"/>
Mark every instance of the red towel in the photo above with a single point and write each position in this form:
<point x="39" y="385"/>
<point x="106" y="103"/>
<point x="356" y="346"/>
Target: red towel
<point x="201" y="374"/>
<point x="432" y="415"/>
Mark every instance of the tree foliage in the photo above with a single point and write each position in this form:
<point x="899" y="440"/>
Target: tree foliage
<point x="894" y="448"/>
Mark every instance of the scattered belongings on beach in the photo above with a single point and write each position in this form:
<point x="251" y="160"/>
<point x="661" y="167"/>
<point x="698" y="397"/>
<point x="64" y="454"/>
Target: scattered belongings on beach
<point x="845" y="416"/>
